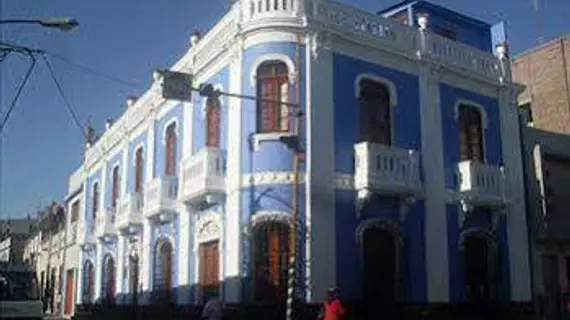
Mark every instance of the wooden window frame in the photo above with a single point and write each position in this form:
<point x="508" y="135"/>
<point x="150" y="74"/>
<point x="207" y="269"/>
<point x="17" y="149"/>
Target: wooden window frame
<point x="273" y="84"/>
<point x="470" y="134"/>
<point x="139" y="168"/>
<point x="213" y="122"/>
<point x="116" y="185"/>
<point x="375" y="112"/>
<point x="171" y="142"/>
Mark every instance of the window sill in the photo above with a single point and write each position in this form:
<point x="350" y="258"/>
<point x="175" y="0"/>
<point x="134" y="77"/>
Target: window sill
<point x="259" y="138"/>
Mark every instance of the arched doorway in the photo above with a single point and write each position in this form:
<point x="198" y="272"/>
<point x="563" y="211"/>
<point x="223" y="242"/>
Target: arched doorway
<point x="108" y="279"/>
<point x="88" y="282"/>
<point x="134" y="278"/>
<point x="380" y="265"/>
<point x="162" y="280"/>
<point x="270" y="261"/>
<point x="479" y="267"/>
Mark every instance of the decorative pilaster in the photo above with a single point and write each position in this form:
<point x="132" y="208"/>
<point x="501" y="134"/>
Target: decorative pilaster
<point x="98" y="267"/>
<point x="437" y="264"/>
<point x="232" y="237"/>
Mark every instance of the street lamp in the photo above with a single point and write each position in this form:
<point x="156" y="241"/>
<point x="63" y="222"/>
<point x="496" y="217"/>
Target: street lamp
<point x="63" y="24"/>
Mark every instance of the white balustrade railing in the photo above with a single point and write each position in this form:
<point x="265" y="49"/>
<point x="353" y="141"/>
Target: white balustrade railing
<point x="160" y="196"/>
<point x="203" y="174"/>
<point x="386" y="169"/>
<point x="72" y="233"/>
<point x="85" y="232"/>
<point x="483" y="183"/>
<point x="105" y="224"/>
<point x="129" y="211"/>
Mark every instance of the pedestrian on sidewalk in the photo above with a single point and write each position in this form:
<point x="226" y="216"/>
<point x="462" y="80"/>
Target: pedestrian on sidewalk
<point x="332" y="306"/>
<point x="213" y="310"/>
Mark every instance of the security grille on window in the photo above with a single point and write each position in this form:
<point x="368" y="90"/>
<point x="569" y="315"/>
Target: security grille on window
<point x="273" y="85"/>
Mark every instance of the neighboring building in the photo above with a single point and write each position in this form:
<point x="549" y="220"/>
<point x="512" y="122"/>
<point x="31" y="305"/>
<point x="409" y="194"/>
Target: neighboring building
<point x="73" y="250"/>
<point x="44" y="250"/>
<point x="412" y="187"/>
<point x="545" y="71"/>
<point x="547" y="156"/>
<point x="14" y="234"/>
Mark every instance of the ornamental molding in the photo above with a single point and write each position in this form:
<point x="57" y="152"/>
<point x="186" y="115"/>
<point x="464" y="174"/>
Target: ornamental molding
<point x="271" y="177"/>
<point x="319" y="41"/>
<point x="209" y="227"/>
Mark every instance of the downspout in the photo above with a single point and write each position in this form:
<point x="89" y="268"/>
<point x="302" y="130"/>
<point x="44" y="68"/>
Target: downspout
<point x="565" y="66"/>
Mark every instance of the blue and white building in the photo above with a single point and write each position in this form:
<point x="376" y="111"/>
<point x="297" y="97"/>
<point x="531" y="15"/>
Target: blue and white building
<point x="411" y="188"/>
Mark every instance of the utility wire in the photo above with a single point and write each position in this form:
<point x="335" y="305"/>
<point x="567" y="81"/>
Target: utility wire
<point x="93" y="71"/>
<point x="19" y="91"/>
<point x="64" y="97"/>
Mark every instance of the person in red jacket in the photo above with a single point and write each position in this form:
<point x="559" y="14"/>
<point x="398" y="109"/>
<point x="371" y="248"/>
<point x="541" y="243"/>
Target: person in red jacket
<point x="332" y="307"/>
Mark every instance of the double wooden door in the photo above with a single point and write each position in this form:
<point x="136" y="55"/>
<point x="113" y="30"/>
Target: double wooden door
<point x="69" y="292"/>
<point x="209" y="269"/>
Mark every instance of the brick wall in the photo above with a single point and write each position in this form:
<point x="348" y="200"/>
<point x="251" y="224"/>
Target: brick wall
<point x="545" y="72"/>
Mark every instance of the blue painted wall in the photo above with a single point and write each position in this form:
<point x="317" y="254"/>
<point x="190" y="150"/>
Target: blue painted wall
<point x="141" y="140"/>
<point x="117" y="159"/>
<point x="449" y="96"/>
<point x="405" y="117"/>
<point x="199" y="114"/>
<point x="89" y="196"/>
<point x="271" y="156"/>
<point x="176" y="113"/>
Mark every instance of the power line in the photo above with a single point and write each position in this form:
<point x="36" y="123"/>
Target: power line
<point x="64" y="98"/>
<point x="19" y="91"/>
<point x="93" y="71"/>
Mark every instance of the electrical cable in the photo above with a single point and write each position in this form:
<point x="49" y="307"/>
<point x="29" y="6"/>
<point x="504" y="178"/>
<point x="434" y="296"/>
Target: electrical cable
<point x="19" y="91"/>
<point x="64" y="97"/>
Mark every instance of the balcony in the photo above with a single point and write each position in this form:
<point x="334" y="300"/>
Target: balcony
<point x="203" y="177"/>
<point x="383" y="169"/>
<point x="481" y="185"/>
<point x="105" y="225"/>
<point x="160" y="198"/>
<point x="85" y="234"/>
<point x="129" y="212"/>
<point x="71" y="235"/>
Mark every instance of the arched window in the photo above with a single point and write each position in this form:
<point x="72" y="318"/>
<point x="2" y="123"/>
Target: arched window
<point x="134" y="278"/>
<point x="470" y="134"/>
<point x="88" y="282"/>
<point x="162" y="282"/>
<point x="108" y="279"/>
<point x="139" y="166"/>
<point x="170" y="152"/>
<point x="375" y="113"/>
<point x="272" y="85"/>
<point x="213" y="122"/>
<point x="116" y="185"/>
<point x="96" y="196"/>
<point x="381" y="266"/>
<point x="270" y="261"/>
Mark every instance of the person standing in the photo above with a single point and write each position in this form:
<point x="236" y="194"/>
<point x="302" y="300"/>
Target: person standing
<point x="213" y="310"/>
<point x="332" y="306"/>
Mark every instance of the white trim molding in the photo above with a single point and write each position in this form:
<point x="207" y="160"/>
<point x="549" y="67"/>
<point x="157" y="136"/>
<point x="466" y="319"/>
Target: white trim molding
<point x="172" y="120"/>
<point x="291" y="69"/>
<point x="468" y="103"/>
<point x="263" y="216"/>
<point x="217" y="86"/>
<point x="209" y="228"/>
<point x="384" y="81"/>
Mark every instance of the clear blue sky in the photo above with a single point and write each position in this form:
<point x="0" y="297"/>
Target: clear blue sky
<point x="127" y="39"/>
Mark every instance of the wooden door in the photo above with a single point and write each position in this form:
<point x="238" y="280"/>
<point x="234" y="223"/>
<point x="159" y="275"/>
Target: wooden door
<point x="69" y="292"/>
<point x="209" y="269"/>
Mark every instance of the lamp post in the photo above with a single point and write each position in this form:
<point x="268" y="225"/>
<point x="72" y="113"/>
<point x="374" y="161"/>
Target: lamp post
<point x="63" y="24"/>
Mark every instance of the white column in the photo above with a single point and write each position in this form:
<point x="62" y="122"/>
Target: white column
<point x="120" y="266"/>
<point x="103" y="188"/>
<point x="517" y="236"/>
<point x="231" y="236"/>
<point x="184" y="216"/>
<point x="150" y="149"/>
<point x="188" y="122"/>
<point x="437" y="264"/>
<point x="98" y="270"/>
<point x="79" y="279"/>
<point x="147" y="228"/>
<point x="320" y="179"/>
<point x="124" y="168"/>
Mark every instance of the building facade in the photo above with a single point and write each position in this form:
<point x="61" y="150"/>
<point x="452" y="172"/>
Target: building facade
<point x="410" y="188"/>
<point x="545" y="72"/>
<point x="14" y="234"/>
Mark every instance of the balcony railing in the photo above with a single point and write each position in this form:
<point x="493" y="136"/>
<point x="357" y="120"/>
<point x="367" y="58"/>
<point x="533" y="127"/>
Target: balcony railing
<point x="105" y="224"/>
<point x="160" y="198"/>
<point x="72" y="233"/>
<point x="203" y="177"/>
<point x="129" y="212"/>
<point x="481" y="184"/>
<point x="386" y="170"/>
<point x="85" y="233"/>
